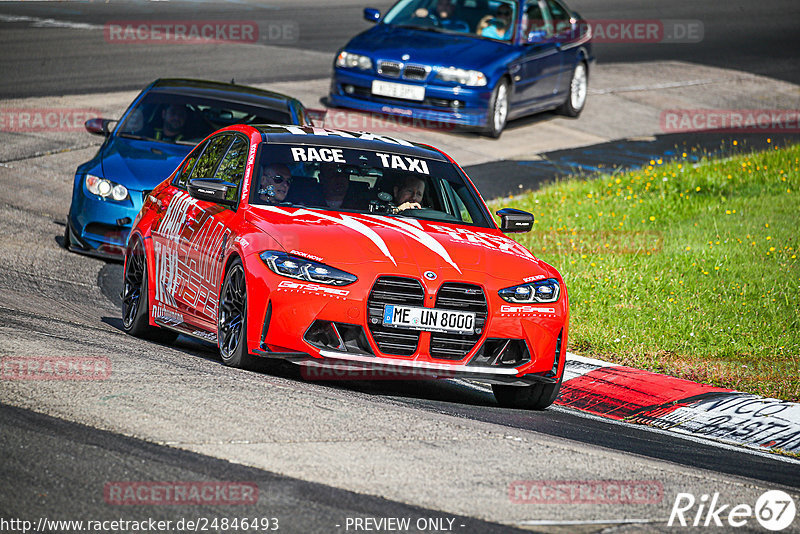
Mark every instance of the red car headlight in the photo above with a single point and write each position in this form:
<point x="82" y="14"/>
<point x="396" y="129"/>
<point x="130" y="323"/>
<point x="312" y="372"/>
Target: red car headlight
<point x="541" y="291"/>
<point x="304" y="269"/>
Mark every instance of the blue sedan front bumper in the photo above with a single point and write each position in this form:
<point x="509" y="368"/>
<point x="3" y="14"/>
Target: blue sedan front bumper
<point x="456" y="105"/>
<point x="100" y="226"/>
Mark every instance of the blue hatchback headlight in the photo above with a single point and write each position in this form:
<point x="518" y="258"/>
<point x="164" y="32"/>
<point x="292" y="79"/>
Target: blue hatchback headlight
<point x="303" y="269"/>
<point x="542" y="291"/>
<point x="105" y="188"/>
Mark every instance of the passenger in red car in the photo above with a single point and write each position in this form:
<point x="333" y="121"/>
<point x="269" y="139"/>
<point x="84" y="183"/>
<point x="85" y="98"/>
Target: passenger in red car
<point x="275" y="181"/>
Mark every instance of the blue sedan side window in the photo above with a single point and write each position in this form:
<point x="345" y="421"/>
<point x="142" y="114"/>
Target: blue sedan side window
<point x="561" y="16"/>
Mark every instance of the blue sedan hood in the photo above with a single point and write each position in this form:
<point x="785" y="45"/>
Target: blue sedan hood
<point x="428" y="47"/>
<point x="141" y="165"/>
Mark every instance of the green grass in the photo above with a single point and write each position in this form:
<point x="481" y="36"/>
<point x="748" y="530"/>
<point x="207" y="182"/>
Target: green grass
<point x="688" y="269"/>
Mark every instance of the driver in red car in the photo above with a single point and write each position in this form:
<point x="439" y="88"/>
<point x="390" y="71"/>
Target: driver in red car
<point x="408" y="193"/>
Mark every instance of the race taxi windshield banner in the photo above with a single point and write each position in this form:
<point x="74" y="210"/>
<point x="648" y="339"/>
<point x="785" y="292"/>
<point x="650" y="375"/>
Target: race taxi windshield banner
<point x="376" y="181"/>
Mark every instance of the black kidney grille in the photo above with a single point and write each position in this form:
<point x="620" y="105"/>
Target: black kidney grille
<point x="394" y="290"/>
<point x="390" y="68"/>
<point x="462" y="297"/>
<point x="415" y="72"/>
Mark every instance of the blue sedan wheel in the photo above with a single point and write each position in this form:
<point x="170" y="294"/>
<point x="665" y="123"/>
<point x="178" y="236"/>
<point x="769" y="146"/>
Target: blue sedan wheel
<point x="498" y="110"/>
<point x="578" y="88"/>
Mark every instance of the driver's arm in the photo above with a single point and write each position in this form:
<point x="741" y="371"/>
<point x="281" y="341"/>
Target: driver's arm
<point x="408" y="206"/>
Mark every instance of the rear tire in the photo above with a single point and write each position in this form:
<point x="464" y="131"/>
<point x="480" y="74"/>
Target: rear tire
<point x="232" y="319"/>
<point x="576" y="96"/>
<point x="135" y="307"/>
<point x="533" y="397"/>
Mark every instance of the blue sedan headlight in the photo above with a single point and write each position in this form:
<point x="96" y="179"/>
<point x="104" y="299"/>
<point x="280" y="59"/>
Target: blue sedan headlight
<point x="105" y="188"/>
<point x="534" y="292"/>
<point x="474" y="78"/>
<point x="352" y="61"/>
<point x="303" y="269"/>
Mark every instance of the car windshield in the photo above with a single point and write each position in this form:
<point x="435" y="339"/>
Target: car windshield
<point x="352" y="180"/>
<point x="490" y="19"/>
<point x="182" y="119"/>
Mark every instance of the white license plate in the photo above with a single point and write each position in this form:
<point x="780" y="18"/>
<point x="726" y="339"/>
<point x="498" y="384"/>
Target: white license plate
<point x="398" y="90"/>
<point x="429" y="319"/>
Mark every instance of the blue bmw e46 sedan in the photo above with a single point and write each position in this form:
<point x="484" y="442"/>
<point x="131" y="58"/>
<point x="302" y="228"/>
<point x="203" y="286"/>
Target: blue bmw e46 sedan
<point x="472" y="63"/>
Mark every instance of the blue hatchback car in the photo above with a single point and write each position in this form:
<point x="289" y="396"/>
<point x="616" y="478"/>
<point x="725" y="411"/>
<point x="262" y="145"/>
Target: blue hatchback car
<point x="161" y="126"/>
<point x="474" y="63"/>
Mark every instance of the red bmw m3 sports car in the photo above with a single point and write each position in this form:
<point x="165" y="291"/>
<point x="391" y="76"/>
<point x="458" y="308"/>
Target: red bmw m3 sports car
<point x="336" y="248"/>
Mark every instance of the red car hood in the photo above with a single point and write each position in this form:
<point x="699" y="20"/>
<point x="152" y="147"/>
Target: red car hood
<point x="404" y="245"/>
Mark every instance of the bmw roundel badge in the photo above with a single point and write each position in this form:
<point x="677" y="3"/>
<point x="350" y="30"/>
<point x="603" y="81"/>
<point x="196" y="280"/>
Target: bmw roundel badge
<point x="430" y="275"/>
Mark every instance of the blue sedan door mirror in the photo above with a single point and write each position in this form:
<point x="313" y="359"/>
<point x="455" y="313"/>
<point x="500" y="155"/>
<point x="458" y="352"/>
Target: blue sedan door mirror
<point x="99" y="126"/>
<point x="371" y="14"/>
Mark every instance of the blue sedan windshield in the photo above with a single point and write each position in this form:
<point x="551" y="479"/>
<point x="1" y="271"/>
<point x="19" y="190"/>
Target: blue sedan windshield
<point x="187" y="120"/>
<point x="493" y="19"/>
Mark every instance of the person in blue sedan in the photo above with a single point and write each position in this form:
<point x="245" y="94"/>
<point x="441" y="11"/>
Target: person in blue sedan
<point x="173" y="120"/>
<point x="498" y="26"/>
<point x="442" y="16"/>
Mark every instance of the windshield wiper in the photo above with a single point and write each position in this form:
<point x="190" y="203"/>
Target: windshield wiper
<point x="421" y="28"/>
<point x="131" y="136"/>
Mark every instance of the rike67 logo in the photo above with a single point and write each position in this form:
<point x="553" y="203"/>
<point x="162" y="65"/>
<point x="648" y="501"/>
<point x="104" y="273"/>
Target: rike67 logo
<point x="774" y="510"/>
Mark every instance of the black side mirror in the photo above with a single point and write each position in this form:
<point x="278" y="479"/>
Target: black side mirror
<point x="98" y="126"/>
<point x="371" y="14"/>
<point x="213" y="190"/>
<point x="512" y="220"/>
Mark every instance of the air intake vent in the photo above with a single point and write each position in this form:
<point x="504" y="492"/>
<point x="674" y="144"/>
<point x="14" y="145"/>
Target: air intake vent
<point x="394" y="290"/>
<point x="462" y="297"/>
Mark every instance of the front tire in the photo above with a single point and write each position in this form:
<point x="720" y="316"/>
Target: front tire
<point x="533" y="397"/>
<point x="498" y="110"/>
<point x="67" y="236"/>
<point x="232" y="319"/>
<point x="135" y="307"/>
<point x="578" y="87"/>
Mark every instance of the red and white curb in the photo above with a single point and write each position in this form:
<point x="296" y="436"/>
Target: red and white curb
<point x="681" y="406"/>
